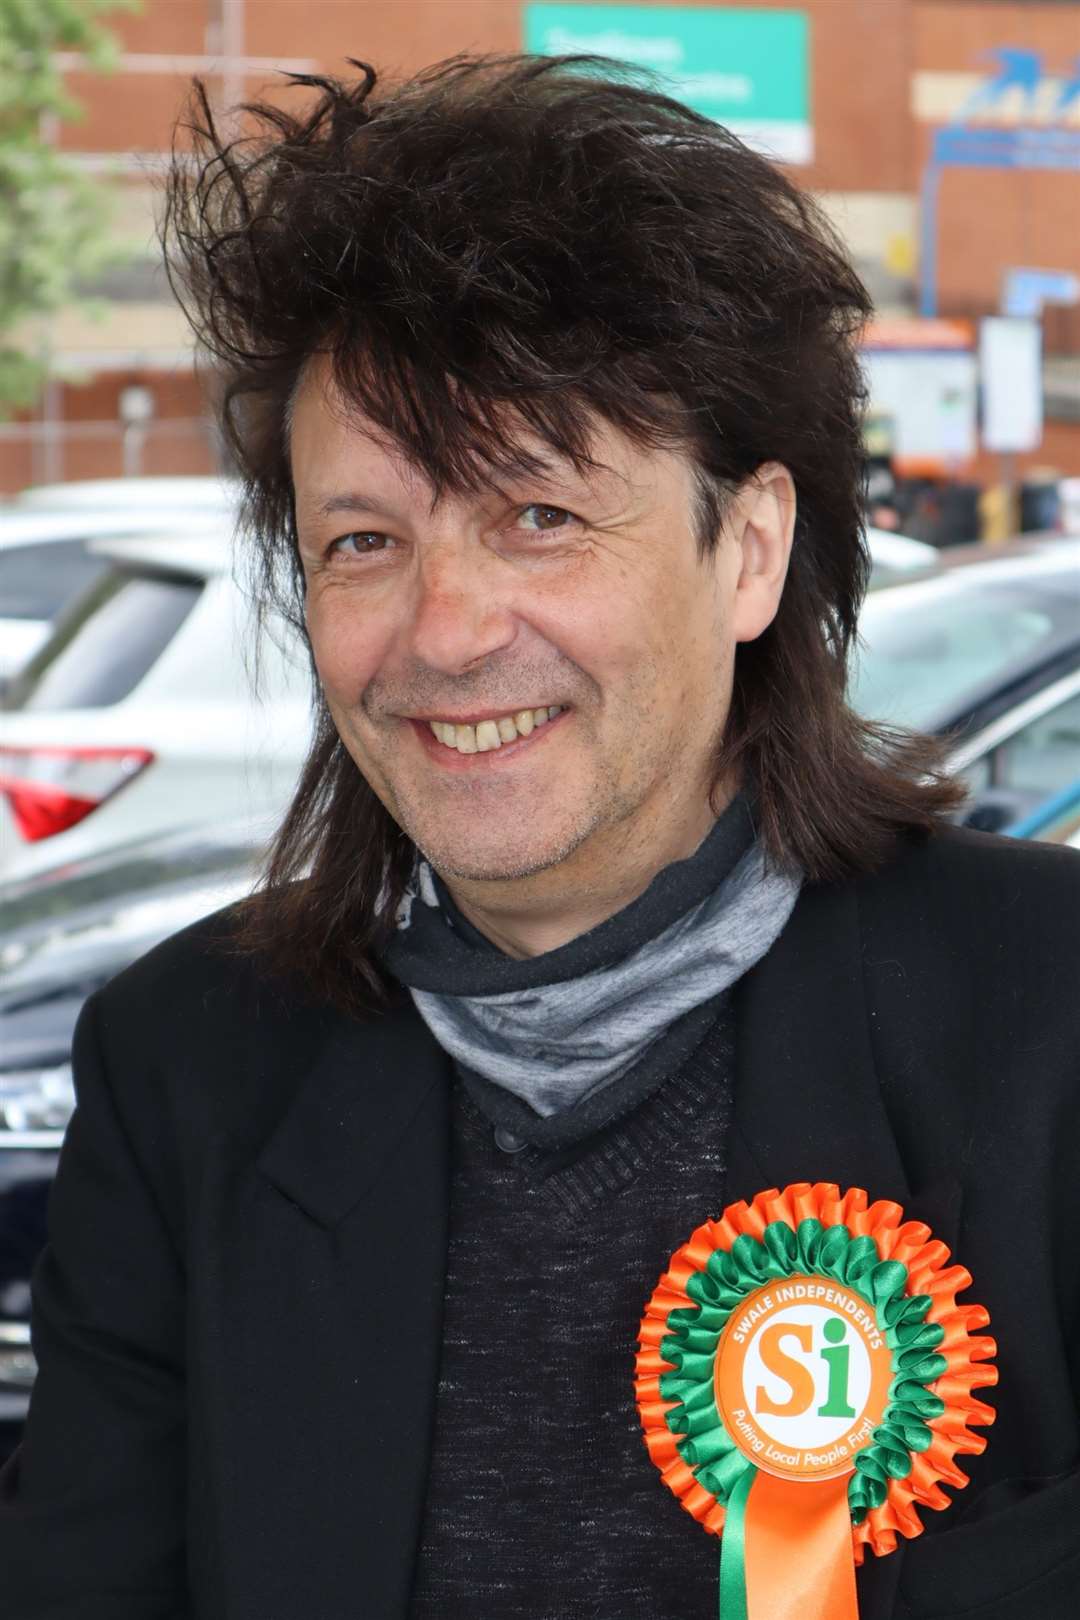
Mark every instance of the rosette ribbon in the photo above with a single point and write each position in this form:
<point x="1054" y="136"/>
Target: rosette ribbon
<point x="805" y="1379"/>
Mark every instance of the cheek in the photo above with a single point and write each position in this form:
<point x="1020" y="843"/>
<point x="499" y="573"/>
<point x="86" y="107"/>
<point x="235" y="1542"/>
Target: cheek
<point x="347" y="647"/>
<point x="603" y="618"/>
<point x="641" y="637"/>
<point x="688" y="632"/>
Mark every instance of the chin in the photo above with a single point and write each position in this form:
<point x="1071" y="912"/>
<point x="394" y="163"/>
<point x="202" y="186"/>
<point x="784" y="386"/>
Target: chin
<point x="477" y="867"/>
<point x="464" y="862"/>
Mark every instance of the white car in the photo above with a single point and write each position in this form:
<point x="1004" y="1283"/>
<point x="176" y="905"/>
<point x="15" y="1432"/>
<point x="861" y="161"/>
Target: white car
<point x="46" y="560"/>
<point x="984" y="652"/>
<point x="138" y="715"/>
<point x="896" y="558"/>
<point x="189" y="492"/>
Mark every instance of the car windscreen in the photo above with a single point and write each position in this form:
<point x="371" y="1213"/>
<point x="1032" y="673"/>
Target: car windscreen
<point x="929" y="652"/>
<point x="121" y="876"/>
<point x="38" y="580"/>
<point x="101" y="648"/>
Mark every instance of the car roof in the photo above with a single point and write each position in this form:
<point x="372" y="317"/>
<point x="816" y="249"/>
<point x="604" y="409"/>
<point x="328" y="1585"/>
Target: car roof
<point x="120" y="493"/>
<point x="900" y="551"/>
<point x="203" y="554"/>
<point x="40" y="528"/>
<point x="1055" y="562"/>
<point x="1039" y="543"/>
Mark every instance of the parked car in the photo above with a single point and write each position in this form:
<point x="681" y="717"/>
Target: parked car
<point x="1055" y="821"/>
<point x="47" y="560"/>
<point x="189" y="493"/>
<point x="897" y="559"/>
<point x="64" y="934"/>
<point x="987" y="653"/>
<point x="138" y="713"/>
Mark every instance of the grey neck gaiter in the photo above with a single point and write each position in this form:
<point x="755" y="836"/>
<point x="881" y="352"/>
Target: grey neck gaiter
<point x="555" y="1028"/>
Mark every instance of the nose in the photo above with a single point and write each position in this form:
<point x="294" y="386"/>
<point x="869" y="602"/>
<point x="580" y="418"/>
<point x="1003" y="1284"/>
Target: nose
<point x="457" y="620"/>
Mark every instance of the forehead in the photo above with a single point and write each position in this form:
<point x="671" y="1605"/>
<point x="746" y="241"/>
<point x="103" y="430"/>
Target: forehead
<point x="333" y="444"/>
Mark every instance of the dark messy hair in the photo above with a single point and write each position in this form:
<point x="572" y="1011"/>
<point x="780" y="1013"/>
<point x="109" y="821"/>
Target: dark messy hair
<point x="555" y="238"/>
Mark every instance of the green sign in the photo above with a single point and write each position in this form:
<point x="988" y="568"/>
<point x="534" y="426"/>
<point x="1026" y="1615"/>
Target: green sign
<point x="746" y="69"/>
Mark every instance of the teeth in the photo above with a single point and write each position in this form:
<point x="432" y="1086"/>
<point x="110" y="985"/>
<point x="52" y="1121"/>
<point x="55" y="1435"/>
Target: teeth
<point x="490" y="734"/>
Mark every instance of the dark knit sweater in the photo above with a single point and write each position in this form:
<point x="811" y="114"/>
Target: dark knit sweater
<point x="542" y="1501"/>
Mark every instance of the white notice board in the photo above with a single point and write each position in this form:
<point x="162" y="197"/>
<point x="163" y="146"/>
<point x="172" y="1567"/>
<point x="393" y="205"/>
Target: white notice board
<point x="930" y="396"/>
<point x="1010" y="361"/>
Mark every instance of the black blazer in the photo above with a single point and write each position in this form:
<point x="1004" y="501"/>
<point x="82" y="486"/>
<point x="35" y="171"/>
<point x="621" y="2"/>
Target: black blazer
<point x="237" y="1318"/>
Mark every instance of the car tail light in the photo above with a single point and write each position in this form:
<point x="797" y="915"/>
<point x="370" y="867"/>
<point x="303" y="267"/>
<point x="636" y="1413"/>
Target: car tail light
<point x="51" y="788"/>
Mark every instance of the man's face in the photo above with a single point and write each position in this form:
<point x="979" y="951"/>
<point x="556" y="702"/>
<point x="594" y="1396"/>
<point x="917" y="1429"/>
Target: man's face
<point x="484" y="613"/>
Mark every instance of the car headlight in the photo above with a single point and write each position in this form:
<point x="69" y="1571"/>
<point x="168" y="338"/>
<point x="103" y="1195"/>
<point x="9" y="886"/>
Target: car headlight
<point x="40" y="1099"/>
<point x="18" y="1369"/>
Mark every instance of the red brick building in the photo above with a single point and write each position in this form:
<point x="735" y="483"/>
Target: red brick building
<point x="884" y="75"/>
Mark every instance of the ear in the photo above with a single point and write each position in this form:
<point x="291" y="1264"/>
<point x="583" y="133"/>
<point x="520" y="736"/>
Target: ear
<point x="762" y="523"/>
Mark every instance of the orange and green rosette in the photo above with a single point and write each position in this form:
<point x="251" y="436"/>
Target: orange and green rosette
<point x="805" y="1379"/>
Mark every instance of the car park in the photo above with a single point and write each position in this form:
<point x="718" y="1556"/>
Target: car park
<point x="140" y="711"/>
<point x="987" y="654"/>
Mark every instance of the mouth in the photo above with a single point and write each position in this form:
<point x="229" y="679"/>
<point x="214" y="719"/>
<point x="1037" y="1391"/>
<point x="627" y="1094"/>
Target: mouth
<point x="483" y="739"/>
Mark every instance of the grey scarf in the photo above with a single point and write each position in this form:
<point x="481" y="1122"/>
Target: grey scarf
<point x="555" y="1028"/>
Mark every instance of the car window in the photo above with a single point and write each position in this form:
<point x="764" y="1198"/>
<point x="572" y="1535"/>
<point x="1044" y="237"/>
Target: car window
<point x="928" y="652"/>
<point x="1043" y="757"/>
<point x="103" y="646"/>
<point x="37" y="581"/>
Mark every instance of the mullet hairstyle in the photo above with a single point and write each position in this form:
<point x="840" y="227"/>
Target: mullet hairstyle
<point x="549" y="241"/>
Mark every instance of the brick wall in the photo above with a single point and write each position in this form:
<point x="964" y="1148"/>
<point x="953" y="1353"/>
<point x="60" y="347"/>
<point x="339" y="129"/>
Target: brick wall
<point x="870" y="141"/>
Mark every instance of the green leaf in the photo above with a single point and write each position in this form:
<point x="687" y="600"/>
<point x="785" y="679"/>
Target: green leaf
<point x="54" y="220"/>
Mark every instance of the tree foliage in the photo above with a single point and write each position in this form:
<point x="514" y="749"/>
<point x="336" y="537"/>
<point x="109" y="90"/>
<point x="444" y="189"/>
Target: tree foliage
<point x="53" y="218"/>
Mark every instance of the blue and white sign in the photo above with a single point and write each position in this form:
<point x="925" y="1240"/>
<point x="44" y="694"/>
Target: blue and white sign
<point x="1019" y="78"/>
<point x="1042" y="141"/>
<point x="1027" y="290"/>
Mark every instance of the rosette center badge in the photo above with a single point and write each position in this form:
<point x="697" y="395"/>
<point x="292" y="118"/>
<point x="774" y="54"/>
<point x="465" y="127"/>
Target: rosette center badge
<point x="802" y="1378"/>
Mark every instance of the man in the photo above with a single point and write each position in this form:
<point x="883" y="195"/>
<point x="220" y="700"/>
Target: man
<point x="596" y="909"/>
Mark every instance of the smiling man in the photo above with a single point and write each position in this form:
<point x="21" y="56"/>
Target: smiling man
<point x="513" y="699"/>
<point x="596" y="914"/>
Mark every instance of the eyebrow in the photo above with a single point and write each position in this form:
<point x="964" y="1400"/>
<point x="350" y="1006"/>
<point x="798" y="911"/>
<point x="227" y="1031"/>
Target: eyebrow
<point x="360" y="501"/>
<point x="560" y="479"/>
<point x="349" y="501"/>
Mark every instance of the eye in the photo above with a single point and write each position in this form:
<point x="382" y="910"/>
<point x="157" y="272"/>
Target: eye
<point x="366" y="543"/>
<point x="546" y="519"/>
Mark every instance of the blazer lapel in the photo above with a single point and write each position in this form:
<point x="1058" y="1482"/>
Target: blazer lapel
<point x="327" y="1311"/>
<point x="809" y="1105"/>
<point x="807" y="1102"/>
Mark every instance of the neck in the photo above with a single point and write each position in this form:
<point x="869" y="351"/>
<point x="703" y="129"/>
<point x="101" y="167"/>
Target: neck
<point x="526" y="917"/>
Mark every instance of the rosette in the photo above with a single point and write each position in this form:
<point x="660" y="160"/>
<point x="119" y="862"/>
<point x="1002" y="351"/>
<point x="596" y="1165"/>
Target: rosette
<point x="805" y="1379"/>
